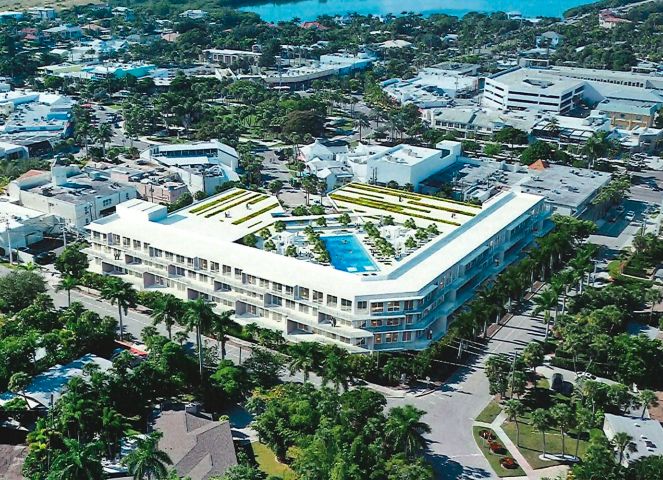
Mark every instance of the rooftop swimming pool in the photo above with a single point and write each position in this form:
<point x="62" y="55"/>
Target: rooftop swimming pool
<point x="348" y="254"/>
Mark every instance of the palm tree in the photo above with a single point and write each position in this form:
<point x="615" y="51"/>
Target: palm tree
<point x="119" y="293"/>
<point x="168" y="310"/>
<point x="303" y="357"/>
<point x="514" y="408"/>
<point x="147" y="461"/>
<point x="562" y="415"/>
<point x="220" y="325"/>
<point x="335" y="368"/>
<point x="541" y="421"/>
<point x="545" y="301"/>
<point x="583" y="420"/>
<point x="362" y="122"/>
<point x="647" y="398"/>
<point x="653" y="296"/>
<point x="67" y="283"/>
<point x="621" y="441"/>
<point x="199" y="316"/>
<point x="103" y="134"/>
<point x="18" y="383"/>
<point x="405" y="431"/>
<point x="113" y="428"/>
<point x="77" y="461"/>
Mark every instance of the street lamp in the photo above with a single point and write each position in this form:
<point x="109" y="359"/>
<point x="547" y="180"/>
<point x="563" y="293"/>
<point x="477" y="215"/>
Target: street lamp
<point x="9" y="242"/>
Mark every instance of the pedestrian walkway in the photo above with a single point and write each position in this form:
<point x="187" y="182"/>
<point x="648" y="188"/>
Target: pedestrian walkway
<point x="530" y="473"/>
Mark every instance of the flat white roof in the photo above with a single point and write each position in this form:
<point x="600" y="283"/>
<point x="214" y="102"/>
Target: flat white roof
<point x="201" y="233"/>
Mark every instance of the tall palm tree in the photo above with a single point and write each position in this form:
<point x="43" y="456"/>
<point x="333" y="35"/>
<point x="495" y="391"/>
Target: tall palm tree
<point x="583" y="423"/>
<point x="103" y="134"/>
<point x="621" y="441"/>
<point x="303" y="358"/>
<point x="544" y="302"/>
<point x="120" y="293"/>
<point x="67" y="283"/>
<point x="513" y="409"/>
<point x="113" y="428"/>
<point x="362" y="122"/>
<point x="147" y="461"/>
<point x="563" y="418"/>
<point x="220" y="325"/>
<point x="405" y="431"/>
<point x="541" y="421"/>
<point x="168" y="310"/>
<point x="335" y="368"/>
<point x="78" y="461"/>
<point x="199" y="316"/>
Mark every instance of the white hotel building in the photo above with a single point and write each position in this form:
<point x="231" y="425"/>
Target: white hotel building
<point x="400" y="303"/>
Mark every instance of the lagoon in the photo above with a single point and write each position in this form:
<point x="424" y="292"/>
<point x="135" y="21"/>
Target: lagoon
<point x="284" y="10"/>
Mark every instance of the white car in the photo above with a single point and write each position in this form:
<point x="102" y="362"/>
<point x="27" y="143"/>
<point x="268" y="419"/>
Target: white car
<point x="630" y="215"/>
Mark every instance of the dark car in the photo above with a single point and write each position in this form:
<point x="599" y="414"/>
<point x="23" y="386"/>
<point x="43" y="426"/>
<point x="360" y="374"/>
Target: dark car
<point x="44" y="258"/>
<point x="557" y="382"/>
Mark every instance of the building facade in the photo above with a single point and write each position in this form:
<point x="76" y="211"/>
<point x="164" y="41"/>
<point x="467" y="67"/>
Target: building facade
<point x="406" y="306"/>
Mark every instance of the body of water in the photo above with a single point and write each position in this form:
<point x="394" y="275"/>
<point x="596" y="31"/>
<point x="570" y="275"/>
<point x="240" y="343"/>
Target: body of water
<point x="284" y="10"/>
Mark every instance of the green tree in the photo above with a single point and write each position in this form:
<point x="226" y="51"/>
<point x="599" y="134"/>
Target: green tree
<point x="198" y="316"/>
<point x="168" y="310"/>
<point x="68" y="283"/>
<point x="221" y="323"/>
<point x="545" y="301"/>
<point x="77" y="461"/>
<point x="146" y="461"/>
<point x="18" y="383"/>
<point x="72" y="262"/>
<point x="120" y="293"/>
<point x="563" y="417"/>
<point x="405" y="431"/>
<point x="303" y="358"/>
<point x="541" y="421"/>
<point x="243" y="472"/>
<point x="621" y="441"/>
<point x="647" y="398"/>
<point x="513" y="409"/>
<point x="19" y="288"/>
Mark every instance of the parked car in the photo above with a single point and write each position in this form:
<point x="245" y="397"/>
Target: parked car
<point x="556" y="382"/>
<point x="45" y="258"/>
<point x="630" y="215"/>
<point x="586" y="376"/>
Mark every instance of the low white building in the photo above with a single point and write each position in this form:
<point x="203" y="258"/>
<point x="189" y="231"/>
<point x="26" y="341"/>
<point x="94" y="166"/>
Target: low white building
<point x="377" y="164"/>
<point x="194" y="14"/>
<point x="205" y="178"/>
<point x="10" y="151"/>
<point x="432" y="87"/>
<point x="227" y="56"/>
<point x="646" y="436"/>
<point x="212" y="152"/>
<point x="21" y="227"/>
<point x="68" y="194"/>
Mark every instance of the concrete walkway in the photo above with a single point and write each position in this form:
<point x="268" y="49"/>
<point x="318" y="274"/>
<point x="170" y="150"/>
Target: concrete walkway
<point x="530" y="473"/>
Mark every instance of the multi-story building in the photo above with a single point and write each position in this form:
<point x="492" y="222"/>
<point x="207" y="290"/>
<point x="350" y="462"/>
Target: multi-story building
<point x="228" y="57"/>
<point x="191" y="154"/>
<point x="69" y="194"/>
<point x="530" y="89"/>
<point x="358" y="299"/>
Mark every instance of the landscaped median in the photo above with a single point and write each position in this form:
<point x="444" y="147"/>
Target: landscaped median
<point x="499" y="458"/>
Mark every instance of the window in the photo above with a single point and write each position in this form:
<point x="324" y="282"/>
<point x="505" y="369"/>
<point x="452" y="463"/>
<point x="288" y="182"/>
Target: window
<point x="202" y="264"/>
<point x="126" y="242"/>
<point x="378" y="339"/>
<point x="290" y="304"/>
<point x="362" y="305"/>
<point x="346" y="305"/>
<point x="408" y="305"/>
<point x="227" y="270"/>
<point x="391" y="337"/>
<point x="169" y="256"/>
<point x="238" y="273"/>
<point x="277" y="287"/>
<point x="392" y="322"/>
<point x="332" y="301"/>
<point x="407" y="336"/>
<point x="214" y="266"/>
<point x="107" y="203"/>
<point x="304" y="293"/>
<point x="317" y="296"/>
<point x="303" y="308"/>
<point x="409" y="319"/>
<point x="264" y="283"/>
<point x="251" y="280"/>
<point x="179" y="258"/>
<point x="376" y="323"/>
<point x="377" y="307"/>
<point x="393" y="306"/>
<point x="289" y="290"/>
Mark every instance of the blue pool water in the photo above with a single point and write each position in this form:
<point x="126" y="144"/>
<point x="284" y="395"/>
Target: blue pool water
<point x="348" y="254"/>
<point x="284" y="10"/>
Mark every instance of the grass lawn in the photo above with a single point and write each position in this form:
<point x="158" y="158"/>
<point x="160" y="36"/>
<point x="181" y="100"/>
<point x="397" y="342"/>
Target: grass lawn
<point x="494" y="459"/>
<point x="269" y="464"/>
<point x="489" y="413"/>
<point x="531" y="442"/>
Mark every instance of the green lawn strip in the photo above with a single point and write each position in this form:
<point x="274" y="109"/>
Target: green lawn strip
<point x="214" y="203"/>
<point x="269" y="464"/>
<point x="389" y="207"/>
<point x="231" y="205"/>
<point x="255" y="214"/>
<point x="410" y="195"/>
<point x="531" y="442"/>
<point x="489" y="413"/>
<point x="361" y="192"/>
<point x="494" y="458"/>
<point x="437" y="207"/>
<point x="256" y="200"/>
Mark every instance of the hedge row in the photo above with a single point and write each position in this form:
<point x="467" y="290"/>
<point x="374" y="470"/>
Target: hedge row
<point x="445" y="209"/>
<point x="390" y="207"/>
<point x="256" y="200"/>
<point x="208" y="205"/>
<point x="409" y="195"/>
<point x="255" y="214"/>
<point x="231" y="205"/>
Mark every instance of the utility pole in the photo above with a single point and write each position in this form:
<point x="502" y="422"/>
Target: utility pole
<point x="9" y="242"/>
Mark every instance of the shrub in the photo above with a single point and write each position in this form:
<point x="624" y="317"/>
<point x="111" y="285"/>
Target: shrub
<point x="509" y="463"/>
